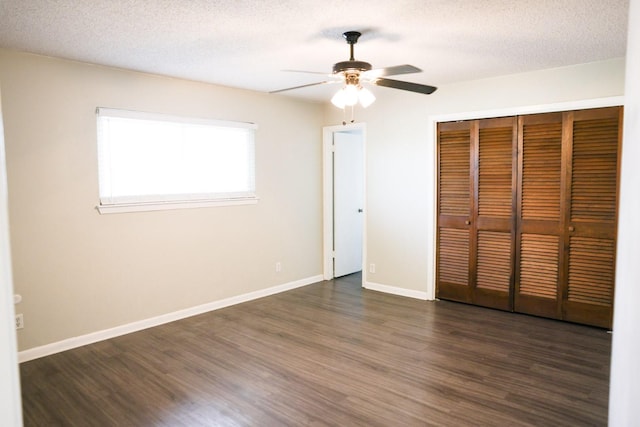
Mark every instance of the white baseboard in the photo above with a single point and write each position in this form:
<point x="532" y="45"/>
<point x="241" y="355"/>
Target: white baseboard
<point x="68" y="344"/>
<point x="395" y="290"/>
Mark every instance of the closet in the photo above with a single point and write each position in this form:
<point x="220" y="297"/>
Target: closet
<point x="527" y="213"/>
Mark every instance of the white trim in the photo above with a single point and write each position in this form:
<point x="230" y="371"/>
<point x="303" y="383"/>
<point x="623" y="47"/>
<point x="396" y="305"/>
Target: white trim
<point x="432" y="122"/>
<point x="10" y="401"/>
<point x="327" y="201"/>
<point x="395" y="290"/>
<point x="70" y="343"/>
<point x="532" y="109"/>
<point x="163" y="206"/>
<point x="327" y="196"/>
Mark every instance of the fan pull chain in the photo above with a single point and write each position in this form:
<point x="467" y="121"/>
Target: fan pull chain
<point x="344" y="115"/>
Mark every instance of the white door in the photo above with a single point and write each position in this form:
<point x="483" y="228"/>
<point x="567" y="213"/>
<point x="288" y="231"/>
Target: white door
<point x="348" y="201"/>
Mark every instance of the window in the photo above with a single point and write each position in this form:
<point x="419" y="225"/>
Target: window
<point x="152" y="161"/>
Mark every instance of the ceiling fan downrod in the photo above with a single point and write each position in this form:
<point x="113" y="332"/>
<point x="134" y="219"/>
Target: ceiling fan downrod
<point x="351" y="66"/>
<point x="352" y="38"/>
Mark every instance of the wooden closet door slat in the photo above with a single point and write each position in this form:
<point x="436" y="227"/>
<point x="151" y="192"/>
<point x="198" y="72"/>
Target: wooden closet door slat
<point x="494" y="220"/>
<point x="591" y="229"/>
<point x="594" y="170"/>
<point x="454" y="185"/>
<point x="453" y="240"/>
<point x="541" y="170"/>
<point x="591" y="270"/>
<point x="495" y="174"/>
<point x="540" y="204"/>
<point x="494" y="271"/>
<point x="539" y="266"/>
<point x="453" y="266"/>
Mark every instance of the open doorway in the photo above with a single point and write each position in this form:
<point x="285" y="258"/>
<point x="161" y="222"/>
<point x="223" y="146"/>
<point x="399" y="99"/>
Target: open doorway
<point x="344" y="199"/>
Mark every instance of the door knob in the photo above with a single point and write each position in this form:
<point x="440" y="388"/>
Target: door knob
<point x="359" y="210"/>
<point x="467" y="222"/>
<point x="572" y="228"/>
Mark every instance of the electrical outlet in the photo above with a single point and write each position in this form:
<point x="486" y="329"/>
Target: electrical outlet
<point x="372" y="268"/>
<point x="278" y="267"/>
<point x="19" y="321"/>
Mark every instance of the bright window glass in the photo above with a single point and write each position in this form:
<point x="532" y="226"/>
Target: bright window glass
<point x="151" y="158"/>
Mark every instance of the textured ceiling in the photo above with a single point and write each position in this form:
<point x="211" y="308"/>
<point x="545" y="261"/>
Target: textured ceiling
<point x="247" y="43"/>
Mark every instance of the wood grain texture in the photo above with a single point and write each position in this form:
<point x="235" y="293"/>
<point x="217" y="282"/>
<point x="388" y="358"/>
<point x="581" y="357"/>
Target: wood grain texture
<point x="494" y="261"/>
<point x="594" y="177"/>
<point x="591" y="271"/>
<point x="493" y="221"/>
<point x="541" y="169"/>
<point x="495" y="173"/>
<point x="453" y="266"/>
<point x="592" y="217"/>
<point x="454" y="189"/>
<point x="539" y="266"/>
<point x="455" y="242"/>
<point x="330" y="354"/>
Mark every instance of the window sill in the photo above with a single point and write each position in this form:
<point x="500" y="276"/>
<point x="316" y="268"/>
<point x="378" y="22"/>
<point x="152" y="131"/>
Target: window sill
<point x="164" y="206"/>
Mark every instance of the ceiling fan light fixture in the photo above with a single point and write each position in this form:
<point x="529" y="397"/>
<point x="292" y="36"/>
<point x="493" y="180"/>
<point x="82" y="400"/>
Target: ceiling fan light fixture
<point x="366" y="97"/>
<point x="347" y="96"/>
<point x="338" y="99"/>
<point x="351" y="94"/>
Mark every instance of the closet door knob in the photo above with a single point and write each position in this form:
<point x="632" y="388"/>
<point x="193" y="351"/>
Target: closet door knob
<point x="572" y="228"/>
<point x="467" y="222"/>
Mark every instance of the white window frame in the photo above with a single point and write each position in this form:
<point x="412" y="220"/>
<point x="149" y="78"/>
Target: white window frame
<point x="119" y="204"/>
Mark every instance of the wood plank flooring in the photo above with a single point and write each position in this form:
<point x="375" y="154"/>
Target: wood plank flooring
<point x="330" y="354"/>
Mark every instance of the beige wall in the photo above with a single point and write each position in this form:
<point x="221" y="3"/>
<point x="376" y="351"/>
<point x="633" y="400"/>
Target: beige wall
<point x="401" y="156"/>
<point x="80" y="272"/>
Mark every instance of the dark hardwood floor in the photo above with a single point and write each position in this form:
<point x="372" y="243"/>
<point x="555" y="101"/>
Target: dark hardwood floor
<point x="330" y="354"/>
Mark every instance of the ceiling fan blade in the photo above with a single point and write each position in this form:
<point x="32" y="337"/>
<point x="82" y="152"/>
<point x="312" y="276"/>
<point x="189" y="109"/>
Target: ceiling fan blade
<point x="302" y="86"/>
<point x="411" y="87"/>
<point x="391" y="71"/>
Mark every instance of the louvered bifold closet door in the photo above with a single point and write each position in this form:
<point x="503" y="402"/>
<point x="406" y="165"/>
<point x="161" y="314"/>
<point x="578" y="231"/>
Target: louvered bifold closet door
<point x="493" y="221"/>
<point x="527" y="213"/>
<point x="540" y="205"/>
<point x="453" y="245"/>
<point x="590" y="232"/>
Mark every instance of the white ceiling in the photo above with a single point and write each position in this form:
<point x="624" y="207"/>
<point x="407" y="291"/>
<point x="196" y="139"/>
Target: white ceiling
<point x="247" y="43"/>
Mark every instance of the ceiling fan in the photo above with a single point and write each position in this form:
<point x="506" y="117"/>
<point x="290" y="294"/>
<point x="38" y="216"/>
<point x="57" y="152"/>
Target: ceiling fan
<point x="353" y="73"/>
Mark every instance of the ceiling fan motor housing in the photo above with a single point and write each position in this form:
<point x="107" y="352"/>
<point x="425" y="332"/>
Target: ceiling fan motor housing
<point x="351" y="67"/>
